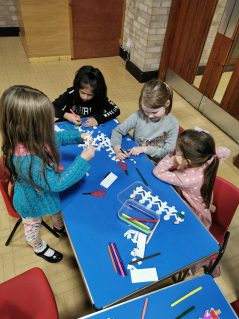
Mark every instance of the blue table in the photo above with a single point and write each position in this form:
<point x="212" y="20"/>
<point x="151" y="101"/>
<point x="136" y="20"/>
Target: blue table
<point x="92" y="222"/>
<point x="159" y="302"/>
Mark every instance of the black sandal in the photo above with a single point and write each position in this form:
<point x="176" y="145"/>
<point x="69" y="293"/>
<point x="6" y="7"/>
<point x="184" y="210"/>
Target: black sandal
<point x="55" y="258"/>
<point x="61" y="231"/>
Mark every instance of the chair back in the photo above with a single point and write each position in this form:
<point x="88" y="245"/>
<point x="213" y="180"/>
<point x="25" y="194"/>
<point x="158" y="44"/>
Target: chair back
<point x="226" y="200"/>
<point x="235" y="306"/>
<point x="28" y="295"/>
<point x="6" y="188"/>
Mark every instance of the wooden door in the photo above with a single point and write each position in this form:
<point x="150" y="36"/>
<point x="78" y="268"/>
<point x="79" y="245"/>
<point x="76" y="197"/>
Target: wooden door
<point x="187" y="30"/>
<point x="96" y="27"/>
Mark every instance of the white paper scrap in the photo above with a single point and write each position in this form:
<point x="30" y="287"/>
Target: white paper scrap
<point x="143" y="275"/>
<point x="108" y="180"/>
<point x="141" y="245"/>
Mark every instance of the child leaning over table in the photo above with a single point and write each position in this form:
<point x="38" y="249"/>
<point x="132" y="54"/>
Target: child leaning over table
<point x="30" y="154"/>
<point x="193" y="172"/>
<point x="155" y="128"/>
<point x="86" y="98"/>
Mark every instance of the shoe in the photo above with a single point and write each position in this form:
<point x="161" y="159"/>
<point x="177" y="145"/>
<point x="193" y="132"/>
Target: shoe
<point x="55" y="258"/>
<point x="61" y="231"/>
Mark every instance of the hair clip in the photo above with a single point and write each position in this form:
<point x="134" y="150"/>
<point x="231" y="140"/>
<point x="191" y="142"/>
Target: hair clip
<point x="199" y="129"/>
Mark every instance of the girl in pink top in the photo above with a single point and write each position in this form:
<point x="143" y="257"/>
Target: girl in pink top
<point x="193" y="170"/>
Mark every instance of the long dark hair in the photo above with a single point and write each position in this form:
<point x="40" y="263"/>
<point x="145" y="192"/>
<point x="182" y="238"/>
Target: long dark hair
<point x="199" y="148"/>
<point x="88" y="76"/>
<point x="27" y="117"/>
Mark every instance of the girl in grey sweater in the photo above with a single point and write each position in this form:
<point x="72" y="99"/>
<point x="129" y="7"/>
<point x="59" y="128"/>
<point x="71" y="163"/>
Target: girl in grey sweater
<point x="155" y="128"/>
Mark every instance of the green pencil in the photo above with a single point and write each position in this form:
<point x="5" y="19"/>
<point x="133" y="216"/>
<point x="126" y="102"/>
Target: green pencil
<point x="185" y="312"/>
<point x="136" y="224"/>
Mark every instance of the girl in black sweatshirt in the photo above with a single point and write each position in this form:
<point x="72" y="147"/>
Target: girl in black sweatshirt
<point x="87" y="98"/>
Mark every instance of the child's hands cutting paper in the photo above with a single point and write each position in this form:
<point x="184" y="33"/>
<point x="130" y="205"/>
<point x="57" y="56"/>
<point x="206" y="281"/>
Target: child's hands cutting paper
<point x="87" y="138"/>
<point x="137" y="150"/>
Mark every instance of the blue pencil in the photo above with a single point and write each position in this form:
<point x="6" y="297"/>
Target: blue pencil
<point x="140" y="210"/>
<point x="118" y="255"/>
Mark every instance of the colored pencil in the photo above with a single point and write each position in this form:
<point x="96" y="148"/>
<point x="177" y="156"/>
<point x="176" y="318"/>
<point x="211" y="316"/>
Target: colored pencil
<point x="143" y="220"/>
<point x="106" y="175"/>
<point x="139" y="209"/>
<point x="185" y="312"/>
<point x="152" y="232"/>
<point x="144" y="308"/>
<point x="117" y="260"/>
<point x="142" y="226"/>
<point x="73" y="112"/>
<point x="112" y="259"/>
<point x="144" y="258"/>
<point x="186" y="296"/>
<point x="140" y="174"/>
<point x="132" y="223"/>
<point x="120" y="260"/>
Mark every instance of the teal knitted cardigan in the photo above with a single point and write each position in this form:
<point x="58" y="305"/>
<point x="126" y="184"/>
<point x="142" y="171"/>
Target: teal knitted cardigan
<point x="34" y="202"/>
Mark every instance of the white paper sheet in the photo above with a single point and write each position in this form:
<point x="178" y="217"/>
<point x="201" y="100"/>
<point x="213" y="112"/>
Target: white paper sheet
<point x="143" y="275"/>
<point x="108" y="180"/>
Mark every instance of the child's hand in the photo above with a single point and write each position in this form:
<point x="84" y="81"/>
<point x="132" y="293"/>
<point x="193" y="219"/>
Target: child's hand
<point x="91" y="122"/>
<point x="88" y="153"/>
<point x="73" y="118"/>
<point x="87" y="138"/>
<point x="137" y="150"/>
<point x="182" y="162"/>
<point x="122" y="156"/>
<point x="119" y="154"/>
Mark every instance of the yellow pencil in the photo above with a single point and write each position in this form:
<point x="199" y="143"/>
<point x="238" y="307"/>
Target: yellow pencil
<point x="186" y="296"/>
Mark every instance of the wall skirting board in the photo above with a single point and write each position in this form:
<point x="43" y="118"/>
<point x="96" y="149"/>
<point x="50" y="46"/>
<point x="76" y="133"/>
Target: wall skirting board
<point x="9" y="31"/>
<point x="134" y="70"/>
<point x="140" y="75"/>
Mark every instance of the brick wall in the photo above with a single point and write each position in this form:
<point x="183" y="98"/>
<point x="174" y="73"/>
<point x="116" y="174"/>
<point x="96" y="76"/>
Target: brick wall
<point x="8" y="16"/>
<point x="144" y="30"/>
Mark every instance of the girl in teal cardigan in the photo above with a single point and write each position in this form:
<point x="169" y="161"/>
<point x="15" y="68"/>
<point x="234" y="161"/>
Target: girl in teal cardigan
<point x="30" y="153"/>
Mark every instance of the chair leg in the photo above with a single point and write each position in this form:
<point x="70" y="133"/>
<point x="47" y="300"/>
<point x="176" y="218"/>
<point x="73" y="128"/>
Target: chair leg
<point x="50" y="229"/>
<point x="13" y="232"/>
<point x="180" y="276"/>
<point x="220" y="254"/>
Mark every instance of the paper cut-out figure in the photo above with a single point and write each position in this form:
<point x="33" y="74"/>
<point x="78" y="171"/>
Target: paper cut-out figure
<point x="155" y="203"/>
<point x="132" y="234"/>
<point x="154" y="200"/>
